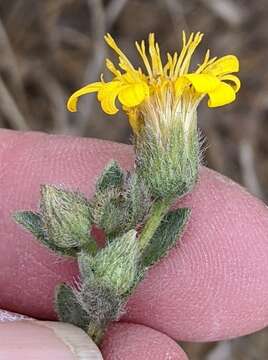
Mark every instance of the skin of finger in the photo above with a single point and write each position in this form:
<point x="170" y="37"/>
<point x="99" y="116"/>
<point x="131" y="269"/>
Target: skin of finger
<point x="213" y="285"/>
<point x="30" y="340"/>
<point x="26" y="340"/>
<point x="133" y="341"/>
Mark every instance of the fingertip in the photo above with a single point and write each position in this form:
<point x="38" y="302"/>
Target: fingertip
<point x="26" y="161"/>
<point x="132" y="341"/>
<point x="215" y="281"/>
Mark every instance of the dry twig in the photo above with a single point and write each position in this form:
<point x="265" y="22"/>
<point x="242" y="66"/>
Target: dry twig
<point x="176" y="11"/>
<point x="247" y="162"/>
<point x="95" y="63"/>
<point x="113" y="10"/>
<point x="10" y="110"/>
<point x="228" y="10"/>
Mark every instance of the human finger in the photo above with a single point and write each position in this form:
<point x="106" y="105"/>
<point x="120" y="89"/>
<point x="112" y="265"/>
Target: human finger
<point x="213" y="285"/>
<point x="23" y="338"/>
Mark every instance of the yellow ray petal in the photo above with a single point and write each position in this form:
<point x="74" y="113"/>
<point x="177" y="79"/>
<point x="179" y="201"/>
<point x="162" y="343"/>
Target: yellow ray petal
<point x="107" y="96"/>
<point x="224" y="65"/>
<point x="223" y="95"/>
<point x="133" y="94"/>
<point x="235" y="82"/>
<point x="108" y="105"/>
<point x="72" y="101"/>
<point x="108" y="88"/>
<point x="203" y="83"/>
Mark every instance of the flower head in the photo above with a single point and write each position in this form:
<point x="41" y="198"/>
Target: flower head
<point x="172" y="81"/>
<point x="161" y="104"/>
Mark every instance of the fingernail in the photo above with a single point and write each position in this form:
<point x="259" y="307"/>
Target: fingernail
<point x="45" y="340"/>
<point x="75" y="339"/>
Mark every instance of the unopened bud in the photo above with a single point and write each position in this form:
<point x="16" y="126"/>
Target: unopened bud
<point x="117" y="264"/>
<point x="66" y="217"/>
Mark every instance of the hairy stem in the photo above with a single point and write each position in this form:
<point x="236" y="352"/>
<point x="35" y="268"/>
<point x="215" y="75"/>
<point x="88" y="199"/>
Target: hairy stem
<point x="158" y="211"/>
<point x="95" y="332"/>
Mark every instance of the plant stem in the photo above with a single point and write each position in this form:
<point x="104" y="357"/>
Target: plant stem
<point x="95" y="332"/>
<point x="157" y="212"/>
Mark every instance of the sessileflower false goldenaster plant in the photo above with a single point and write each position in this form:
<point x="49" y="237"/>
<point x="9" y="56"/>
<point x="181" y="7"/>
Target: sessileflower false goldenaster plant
<point x="132" y="209"/>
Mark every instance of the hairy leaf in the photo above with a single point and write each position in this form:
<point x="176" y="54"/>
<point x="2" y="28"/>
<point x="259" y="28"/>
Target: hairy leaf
<point x="32" y="222"/>
<point x="165" y="236"/>
<point x="69" y="309"/>
<point x="111" y="177"/>
<point x="101" y="302"/>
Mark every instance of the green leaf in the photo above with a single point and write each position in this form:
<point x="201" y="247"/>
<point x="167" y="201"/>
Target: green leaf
<point x="111" y="177"/>
<point x="32" y="222"/>
<point x="91" y="308"/>
<point x="165" y="236"/>
<point x="69" y="309"/>
<point x="66" y="217"/>
<point x="101" y="302"/>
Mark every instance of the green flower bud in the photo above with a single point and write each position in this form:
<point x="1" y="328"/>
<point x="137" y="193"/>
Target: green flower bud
<point x="109" y="211"/>
<point x="66" y="217"/>
<point x="117" y="265"/>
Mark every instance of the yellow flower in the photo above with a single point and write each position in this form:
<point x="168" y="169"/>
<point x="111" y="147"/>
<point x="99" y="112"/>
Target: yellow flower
<point x="169" y="84"/>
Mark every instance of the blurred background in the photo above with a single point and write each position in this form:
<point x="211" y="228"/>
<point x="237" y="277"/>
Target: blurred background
<point x="50" y="48"/>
